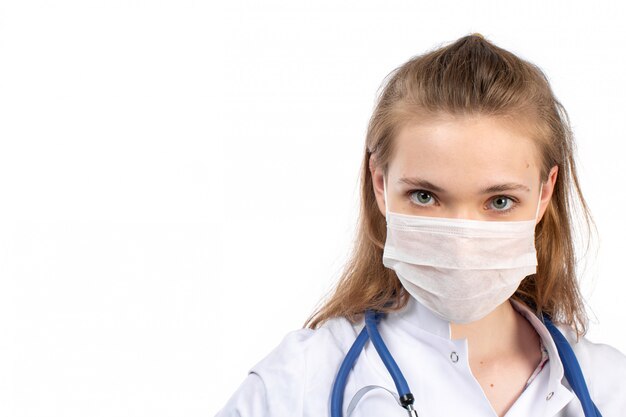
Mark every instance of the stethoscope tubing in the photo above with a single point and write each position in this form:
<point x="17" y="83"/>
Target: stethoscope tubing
<point x="371" y="322"/>
<point x="336" y="401"/>
<point x="573" y="372"/>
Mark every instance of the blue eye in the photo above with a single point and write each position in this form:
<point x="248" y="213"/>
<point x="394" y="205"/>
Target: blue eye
<point x="501" y="203"/>
<point x="422" y="197"/>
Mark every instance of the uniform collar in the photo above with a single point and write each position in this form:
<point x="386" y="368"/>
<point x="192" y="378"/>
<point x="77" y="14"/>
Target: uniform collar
<point x="416" y="318"/>
<point x="557" y="372"/>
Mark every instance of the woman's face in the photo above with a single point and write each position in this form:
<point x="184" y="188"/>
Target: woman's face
<point x="471" y="167"/>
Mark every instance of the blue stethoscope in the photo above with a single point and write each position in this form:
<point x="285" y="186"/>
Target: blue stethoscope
<point x="573" y="373"/>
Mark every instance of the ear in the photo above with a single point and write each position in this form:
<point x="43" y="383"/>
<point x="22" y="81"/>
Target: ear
<point x="377" y="183"/>
<point x="547" y="190"/>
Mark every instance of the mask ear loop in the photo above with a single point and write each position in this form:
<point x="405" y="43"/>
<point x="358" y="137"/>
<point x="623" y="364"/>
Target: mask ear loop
<point x="385" y="196"/>
<point x="539" y="202"/>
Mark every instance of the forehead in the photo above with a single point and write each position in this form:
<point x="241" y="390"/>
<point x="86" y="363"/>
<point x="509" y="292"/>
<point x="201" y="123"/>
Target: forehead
<point x="462" y="152"/>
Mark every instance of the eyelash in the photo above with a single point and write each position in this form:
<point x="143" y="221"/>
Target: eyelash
<point x="513" y="206"/>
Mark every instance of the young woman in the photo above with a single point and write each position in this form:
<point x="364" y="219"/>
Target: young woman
<point x="464" y="262"/>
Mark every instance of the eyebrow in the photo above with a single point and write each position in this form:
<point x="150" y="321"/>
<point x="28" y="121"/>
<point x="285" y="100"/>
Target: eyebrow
<point x="421" y="183"/>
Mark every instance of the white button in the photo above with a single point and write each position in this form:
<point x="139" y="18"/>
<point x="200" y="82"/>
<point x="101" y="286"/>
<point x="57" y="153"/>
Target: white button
<point x="454" y="357"/>
<point x="549" y="396"/>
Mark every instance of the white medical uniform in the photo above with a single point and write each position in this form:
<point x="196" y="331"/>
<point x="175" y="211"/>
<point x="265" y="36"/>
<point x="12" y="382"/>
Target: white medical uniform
<point x="296" y="378"/>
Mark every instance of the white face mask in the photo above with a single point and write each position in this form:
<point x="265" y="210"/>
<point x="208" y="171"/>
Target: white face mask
<point x="460" y="269"/>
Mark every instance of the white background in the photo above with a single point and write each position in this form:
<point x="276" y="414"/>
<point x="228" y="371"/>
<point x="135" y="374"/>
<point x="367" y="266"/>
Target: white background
<point x="179" y="179"/>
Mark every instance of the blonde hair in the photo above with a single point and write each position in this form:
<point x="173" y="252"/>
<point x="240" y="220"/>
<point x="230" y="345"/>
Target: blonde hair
<point x="470" y="76"/>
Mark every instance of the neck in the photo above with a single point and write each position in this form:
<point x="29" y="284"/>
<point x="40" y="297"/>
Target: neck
<point x="497" y="334"/>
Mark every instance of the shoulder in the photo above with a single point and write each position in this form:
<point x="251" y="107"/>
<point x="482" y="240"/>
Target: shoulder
<point x="304" y="363"/>
<point x="305" y="350"/>
<point x="603" y="366"/>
